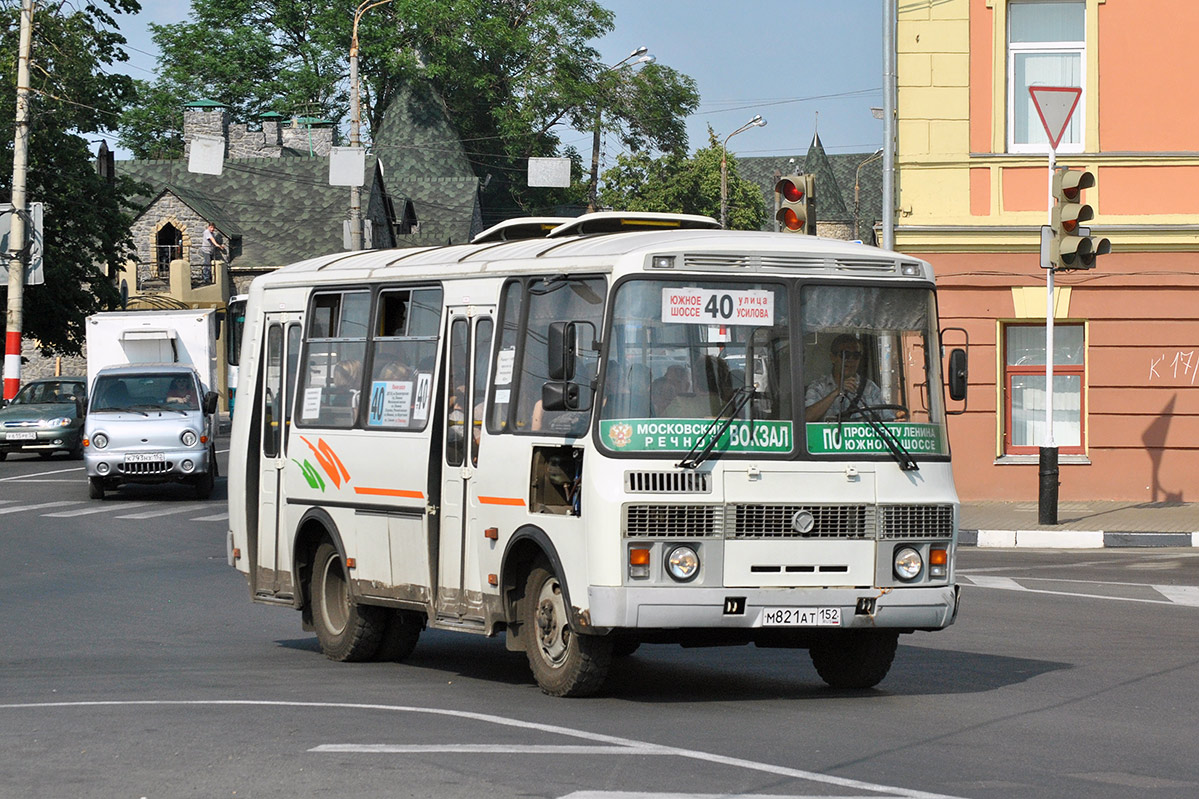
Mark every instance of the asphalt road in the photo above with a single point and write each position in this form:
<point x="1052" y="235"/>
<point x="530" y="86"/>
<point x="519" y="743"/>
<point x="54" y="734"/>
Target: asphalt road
<point x="134" y="664"/>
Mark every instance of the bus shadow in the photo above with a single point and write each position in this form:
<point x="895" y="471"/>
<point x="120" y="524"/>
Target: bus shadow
<point x="669" y="673"/>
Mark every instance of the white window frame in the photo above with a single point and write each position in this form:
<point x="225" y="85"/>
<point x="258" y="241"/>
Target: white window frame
<point x="1078" y="119"/>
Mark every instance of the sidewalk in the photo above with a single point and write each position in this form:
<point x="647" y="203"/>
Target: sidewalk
<point x="1082" y="525"/>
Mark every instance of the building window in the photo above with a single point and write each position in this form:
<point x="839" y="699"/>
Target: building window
<point x="1046" y="47"/>
<point x="1024" y="389"/>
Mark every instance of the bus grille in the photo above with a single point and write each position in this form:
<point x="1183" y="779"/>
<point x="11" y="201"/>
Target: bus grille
<point x="917" y="521"/>
<point x="775" y="521"/>
<point x="668" y="482"/>
<point x="667" y="521"/>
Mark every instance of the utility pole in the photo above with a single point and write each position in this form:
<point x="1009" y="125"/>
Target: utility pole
<point x="16" y="236"/>
<point x="356" y="123"/>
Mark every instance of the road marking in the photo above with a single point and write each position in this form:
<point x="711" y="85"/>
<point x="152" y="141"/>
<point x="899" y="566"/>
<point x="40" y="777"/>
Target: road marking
<point x="97" y="509"/>
<point x="150" y="514"/>
<point x="39" y="474"/>
<point x="643" y="795"/>
<point x="707" y="757"/>
<point x="216" y="517"/>
<point x="1171" y="594"/>
<point x="38" y="506"/>
<point x="490" y="749"/>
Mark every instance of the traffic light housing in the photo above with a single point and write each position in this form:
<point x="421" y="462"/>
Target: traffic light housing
<point x="1072" y="246"/>
<point x="797" y="204"/>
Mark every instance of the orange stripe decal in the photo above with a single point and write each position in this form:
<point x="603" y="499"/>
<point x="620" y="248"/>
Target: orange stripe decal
<point x="516" y="501"/>
<point x="389" y="492"/>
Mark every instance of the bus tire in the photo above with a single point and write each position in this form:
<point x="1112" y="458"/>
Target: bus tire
<point x="856" y="659"/>
<point x="346" y="631"/>
<point x="563" y="662"/>
<point x="400" y="636"/>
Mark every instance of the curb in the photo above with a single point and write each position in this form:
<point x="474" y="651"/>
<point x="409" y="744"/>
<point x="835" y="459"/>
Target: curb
<point x="1074" y="539"/>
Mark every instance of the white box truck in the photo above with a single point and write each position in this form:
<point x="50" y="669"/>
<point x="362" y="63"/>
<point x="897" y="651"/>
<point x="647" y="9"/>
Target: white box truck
<point x="152" y="412"/>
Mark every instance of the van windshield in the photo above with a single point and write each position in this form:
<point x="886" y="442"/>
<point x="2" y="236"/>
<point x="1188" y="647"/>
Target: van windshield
<point x="168" y="391"/>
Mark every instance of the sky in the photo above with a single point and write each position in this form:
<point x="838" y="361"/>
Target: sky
<point x="805" y="65"/>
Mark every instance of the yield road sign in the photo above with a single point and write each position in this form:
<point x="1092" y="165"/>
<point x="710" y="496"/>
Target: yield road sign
<point x="1055" y="105"/>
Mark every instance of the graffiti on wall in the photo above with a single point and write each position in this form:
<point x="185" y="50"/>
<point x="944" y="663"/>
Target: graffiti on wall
<point x="1179" y="365"/>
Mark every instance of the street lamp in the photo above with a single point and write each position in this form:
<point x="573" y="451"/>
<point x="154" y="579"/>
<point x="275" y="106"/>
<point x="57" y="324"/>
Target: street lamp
<point x="356" y="123"/>
<point x="756" y="122"/>
<point x="642" y="58"/>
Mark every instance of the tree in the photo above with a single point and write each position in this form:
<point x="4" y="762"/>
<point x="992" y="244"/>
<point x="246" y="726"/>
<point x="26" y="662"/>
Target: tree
<point x="675" y="183"/>
<point x="509" y="73"/>
<point x="87" y="219"/>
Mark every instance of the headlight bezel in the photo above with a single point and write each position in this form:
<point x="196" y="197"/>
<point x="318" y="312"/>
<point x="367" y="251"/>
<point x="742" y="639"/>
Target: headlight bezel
<point x="99" y="440"/>
<point x="189" y="438"/>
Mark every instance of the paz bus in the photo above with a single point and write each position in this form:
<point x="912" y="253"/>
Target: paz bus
<point x="587" y="435"/>
<point x="235" y="315"/>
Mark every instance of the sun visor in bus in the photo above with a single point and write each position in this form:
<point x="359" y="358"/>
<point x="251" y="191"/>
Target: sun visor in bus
<point x="627" y="222"/>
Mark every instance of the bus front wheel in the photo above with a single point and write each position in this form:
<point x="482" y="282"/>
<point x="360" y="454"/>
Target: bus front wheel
<point x="563" y="662"/>
<point x="346" y="631"/>
<point x="855" y="659"/>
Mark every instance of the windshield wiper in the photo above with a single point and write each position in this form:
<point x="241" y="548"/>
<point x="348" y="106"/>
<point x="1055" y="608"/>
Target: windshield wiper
<point x="904" y="458"/>
<point x="736" y="402"/>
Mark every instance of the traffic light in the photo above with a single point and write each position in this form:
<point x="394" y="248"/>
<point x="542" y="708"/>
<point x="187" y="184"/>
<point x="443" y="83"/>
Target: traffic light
<point x="1073" y="247"/>
<point x="797" y="205"/>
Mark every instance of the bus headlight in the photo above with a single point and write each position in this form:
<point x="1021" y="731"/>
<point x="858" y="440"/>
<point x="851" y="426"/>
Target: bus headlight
<point x="188" y="438"/>
<point x="682" y="564"/>
<point x="908" y="564"/>
<point x="99" y="441"/>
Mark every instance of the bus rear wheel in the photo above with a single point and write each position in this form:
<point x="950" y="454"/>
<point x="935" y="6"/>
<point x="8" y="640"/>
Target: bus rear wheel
<point x="563" y="662"/>
<point x="855" y="659"/>
<point x="400" y="635"/>
<point x="346" y="631"/>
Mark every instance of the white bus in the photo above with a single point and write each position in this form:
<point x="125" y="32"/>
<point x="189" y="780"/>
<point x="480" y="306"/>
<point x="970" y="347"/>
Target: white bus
<point x="597" y="438"/>
<point x="235" y="322"/>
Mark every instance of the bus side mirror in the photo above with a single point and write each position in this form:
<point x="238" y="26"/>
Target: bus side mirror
<point x="957" y="375"/>
<point x="561" y="395"/>
<point x="210" y="400"/>
<point x="561" y="345"/>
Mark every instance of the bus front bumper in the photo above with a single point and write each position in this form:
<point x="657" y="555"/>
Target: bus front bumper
<point x="666" y="607"/>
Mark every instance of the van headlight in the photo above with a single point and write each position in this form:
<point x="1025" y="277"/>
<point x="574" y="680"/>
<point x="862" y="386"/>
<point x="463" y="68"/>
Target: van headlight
<point x="682" y="564"/>
<point x="188" y="438"/>
<point x="99" y="441"/>
<point x="908" y="564"/>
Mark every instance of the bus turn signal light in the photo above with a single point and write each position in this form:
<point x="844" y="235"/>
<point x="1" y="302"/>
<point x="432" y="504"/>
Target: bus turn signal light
<point x="938" y="562"/>
<point x="639" y="563"/>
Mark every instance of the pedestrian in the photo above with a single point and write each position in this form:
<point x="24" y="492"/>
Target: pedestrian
<point x="208" y="247"/>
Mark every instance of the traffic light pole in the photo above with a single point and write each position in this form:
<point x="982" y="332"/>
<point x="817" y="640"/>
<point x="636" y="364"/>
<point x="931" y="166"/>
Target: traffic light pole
<point x="16" y="238"/>
<point x="1048" y="468"/>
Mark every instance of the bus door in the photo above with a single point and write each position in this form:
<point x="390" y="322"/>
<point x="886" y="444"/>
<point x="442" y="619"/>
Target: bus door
<point x="281" y="352"/>
<point x="459" y="589"/>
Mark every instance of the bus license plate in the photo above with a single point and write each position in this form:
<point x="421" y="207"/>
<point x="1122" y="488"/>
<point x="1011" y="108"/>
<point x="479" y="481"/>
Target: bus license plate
<point x="22" y="436"/>
<point x="146" y="457"/>
<point x="801" y="617"/>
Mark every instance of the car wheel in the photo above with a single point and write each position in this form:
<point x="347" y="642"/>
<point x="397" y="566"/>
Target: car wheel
<point x="95" y="488"/>
<point x="563" y="662"/>
<point x="346" y="631"/>
<point x="3" y="456"/>
<point x="203" y="485"/>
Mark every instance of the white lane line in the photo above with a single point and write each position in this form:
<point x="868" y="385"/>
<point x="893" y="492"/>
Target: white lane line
<point x="160" y="511"/>
<point x="100" y="508"/>
<point x="216" y="517"/>
<point x="38" y="506"/>
<point x="707" y="757"/>
<point x="989" y="581"/>
<point x="489" y="749"/>
<point x="39" y="474"/>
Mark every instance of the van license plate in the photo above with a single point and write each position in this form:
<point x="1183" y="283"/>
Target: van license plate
<point x="146" y="457"/>
<point x="801" y="617"/>
<point x="22" y="436"/>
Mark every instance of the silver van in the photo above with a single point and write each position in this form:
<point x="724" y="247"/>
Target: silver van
<point x="150" y="423"/>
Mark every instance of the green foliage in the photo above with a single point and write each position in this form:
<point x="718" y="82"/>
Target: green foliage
<point x="509" y="73"/>
<point x="674" y="183"/>
<point x="87" y="220"/>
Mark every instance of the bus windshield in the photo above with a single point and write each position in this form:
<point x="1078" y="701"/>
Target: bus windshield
<point x="685" y="353"/>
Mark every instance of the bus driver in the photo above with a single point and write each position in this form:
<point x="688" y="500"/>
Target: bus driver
<point x="833" y="396"/>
